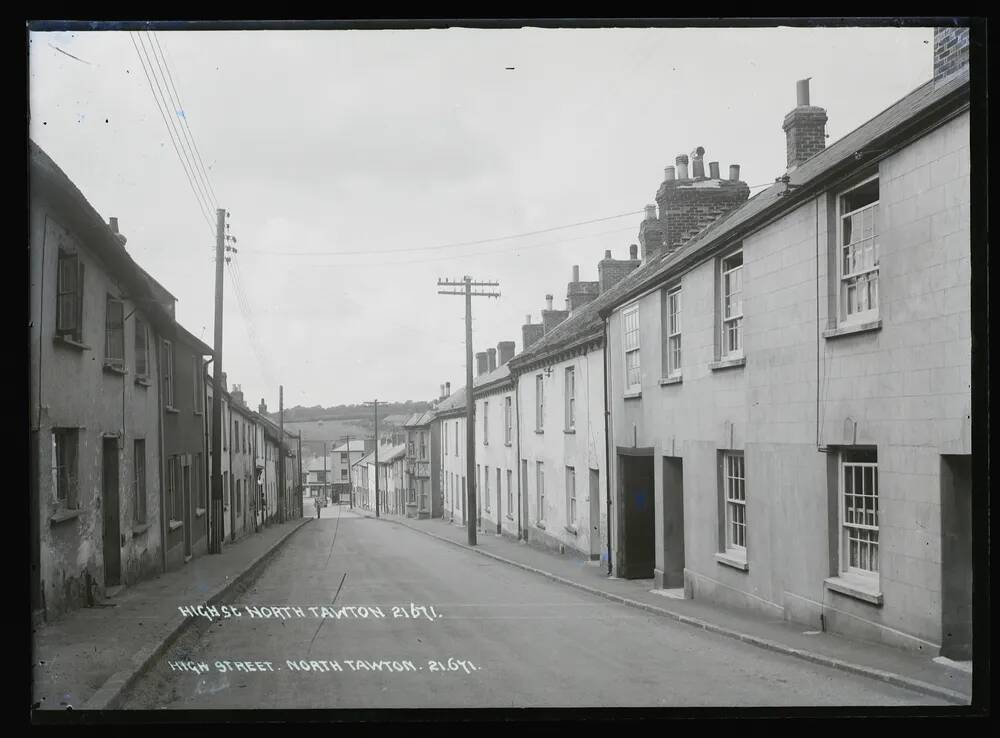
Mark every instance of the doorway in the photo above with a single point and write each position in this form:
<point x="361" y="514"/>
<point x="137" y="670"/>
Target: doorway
<point x="956" y="557"/>
<point x="187" y="508"/>
<point x="112" y="528"/>
<point x="637" y="525"/>
<point x="595" y="515"/>
<point x="673" y="522"/>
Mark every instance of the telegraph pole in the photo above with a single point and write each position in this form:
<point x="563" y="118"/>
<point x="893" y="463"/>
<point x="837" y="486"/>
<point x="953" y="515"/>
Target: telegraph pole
<point x="470" y="406"/>
<point x="281" y="454"/>
<point x="375" y="404"/>
<point x="216" y="528"/>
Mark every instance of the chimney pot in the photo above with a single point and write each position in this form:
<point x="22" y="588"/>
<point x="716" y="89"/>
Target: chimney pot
<point x="113" y="223"/>
<point x="698" y="163"/>
<point x="527" y="319"/>
<point x="576" y="273"/>
<point x="734" y="172"/>
<point x="713" y="169"/>
<point x="447" y="389"/>
<point x="682" y="166"/>
<point x="669" y="174"/>
<point x="802" y="92"/>
<point x="607" y="253"/>
<point x="548" y="302"/>
<point x="650" y="212"/>
<point x="633" y="252"/>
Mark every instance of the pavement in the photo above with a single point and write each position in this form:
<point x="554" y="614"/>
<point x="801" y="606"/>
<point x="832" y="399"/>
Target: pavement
<point x="924" y="674"/>
<point x="90" y="656"/>
<point x="389" y="617"/>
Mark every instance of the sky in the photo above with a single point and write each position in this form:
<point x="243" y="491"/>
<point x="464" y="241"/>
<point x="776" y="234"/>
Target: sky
<point x="352" y="162"/>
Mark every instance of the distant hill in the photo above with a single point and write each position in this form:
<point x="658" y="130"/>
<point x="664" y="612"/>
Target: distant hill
<point x="349" y="412"/>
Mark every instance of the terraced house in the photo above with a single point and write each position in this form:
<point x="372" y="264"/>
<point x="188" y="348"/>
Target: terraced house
<point x="789" y="378"/>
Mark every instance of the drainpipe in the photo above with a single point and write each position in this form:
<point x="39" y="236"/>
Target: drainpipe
<point x="607" y="441"/>
<point x="159" y="415"/>
<point x="517" y="412"/>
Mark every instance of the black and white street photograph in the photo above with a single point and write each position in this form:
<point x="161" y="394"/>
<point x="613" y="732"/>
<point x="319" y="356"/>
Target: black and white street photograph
<point x="507" y="369"/>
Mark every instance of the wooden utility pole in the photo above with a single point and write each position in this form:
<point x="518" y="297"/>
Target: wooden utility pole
<point x="375" y="405"/>
<point x="216" y="527"/>
<point x="281" y="454"/>
<point x="470" y="405"/>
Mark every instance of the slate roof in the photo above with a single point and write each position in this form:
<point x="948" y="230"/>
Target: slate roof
<point x="587" y="323"/>
<point x="418" y="419"/>
<point x="356" y="445"/>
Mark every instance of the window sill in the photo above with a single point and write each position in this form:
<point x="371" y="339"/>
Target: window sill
<point x="63" y="515"/>
<point x="143" y="382"/>
<point x="112" y="369"/>
<point x="171" y="409"/>
<point x="569" y="431"/>
<point x="540" y="524"/>
<point x="199" y="512"/>
<point x="175" y="524"/>
<point x="671" y="380"/>
<point x="735" y="562"/>
<point x="70" y="343"/>
<point x="727" y="363"/>
<point x="139" y="530"/>
<point x="539" y="432"/>
<point x="571" y="529"/>
<point x="632" y="395"/>
<point x="198" y="412"/>
<point x="855" y="588"/>
<point x="508" y="444"/>
<point x="850" y="330"/>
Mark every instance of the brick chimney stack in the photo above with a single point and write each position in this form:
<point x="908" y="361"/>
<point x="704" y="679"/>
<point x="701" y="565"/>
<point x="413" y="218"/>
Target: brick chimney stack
<point x="491" y="354"/>
<point x="262" y="408"/>
<point x="688" y="206"/>
<point x="651" y="233"/>
<point x="505" y="352"/>
<point x="580" y="293"/>
<point x="236" y="396"/>
<point x="530" y="332"/>
<point x="447" y="389"/>
<point x="951" y="53"/>
<point x="550" y="317"/>
<point x="612" y="271"/>
<point x="481" y="363"/>
<point x="805" y="128"/>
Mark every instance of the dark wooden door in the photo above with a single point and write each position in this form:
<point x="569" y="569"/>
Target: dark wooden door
<point x="638" y="539"/>
<point x="595" y="514"/>
<point x="112" y="527"/>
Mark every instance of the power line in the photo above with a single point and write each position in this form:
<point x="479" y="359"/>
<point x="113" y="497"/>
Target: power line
<point x="156" y="99"/>
<point x="446" y="245"/>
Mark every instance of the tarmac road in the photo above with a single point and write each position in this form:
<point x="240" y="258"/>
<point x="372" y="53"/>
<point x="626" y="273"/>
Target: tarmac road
<point x="515" y="639"/>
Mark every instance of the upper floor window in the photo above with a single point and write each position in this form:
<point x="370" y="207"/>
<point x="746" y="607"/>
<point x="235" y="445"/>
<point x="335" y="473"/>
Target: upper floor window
<point x="486" y="425"/>
<point x="539" y="402"/>
<point x="672" y="338"/>
<point x="507" y="420"/>
<point x="570" y="398"/>
<point x="141" y="348"/>
<point x="114" y="333"/>
<point x="732" y="306"/>
<point x="456" y="438"/>
<point x="167" y="370"/>
<point x="423" y="445"/>
<point x="630" y="342"/>
<point x="858" y="258"/>
<point x="69" y="300"/>
<point x="445" y="434"/>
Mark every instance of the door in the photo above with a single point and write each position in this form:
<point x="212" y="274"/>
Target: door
<point x="499" y="529"/>
<point x="673" y="522"/>
<point x="112" y="530"/>
<point x="595" y="515"/>
<point x="187" y="507"/>
<point x="638" y="526"/>
<point x="956" y="557"/>
<point x="524" y="496"/>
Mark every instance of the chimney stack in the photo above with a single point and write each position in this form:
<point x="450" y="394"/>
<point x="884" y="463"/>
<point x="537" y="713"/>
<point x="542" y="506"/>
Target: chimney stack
<point x="530" y="332"/>
<point x="651" y="233"/>
<point x="611" y="271"/>
<point x="669" y="174"/>
<point x="447" y="389"/>
<point x="262" y="408"/>
<point x="951" y="53"/>
<point x="713" y="170"/>
<point x="481" y="363"/>
<point x="237" y="395"/>
<point x="548" y="302"/>
<point x="576" y="272"/>
<point x="442" y="395"/>
<point x="505" y="352"/>
<point x="698" y="163"/>
<point x="633" y="252"/>
<point x="550" y="317"/>
<point x="805" y="128"/>
<point x="580" y="293"/>
<point x="491" y="354"/>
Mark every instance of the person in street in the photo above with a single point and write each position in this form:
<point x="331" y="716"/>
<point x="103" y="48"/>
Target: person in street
<point x="316" y="503"/>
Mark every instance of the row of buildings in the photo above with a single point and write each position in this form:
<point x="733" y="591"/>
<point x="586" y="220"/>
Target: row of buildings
<point x="769" y="407"/>
<point x="120" y="398"/>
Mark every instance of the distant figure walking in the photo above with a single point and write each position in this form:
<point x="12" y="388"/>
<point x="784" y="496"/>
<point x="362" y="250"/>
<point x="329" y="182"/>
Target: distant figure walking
<point x="316" y="503"/>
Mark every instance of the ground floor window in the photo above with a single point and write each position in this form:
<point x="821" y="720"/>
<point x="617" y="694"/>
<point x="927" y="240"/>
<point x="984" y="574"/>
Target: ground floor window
<point x="859" y="513"/>
<point x="139" y="466"/>
<point x="540" y="489"/>
<point x="570" y="495"/>
<point x="65" y="482"/>
<point x="734" y="490"/>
